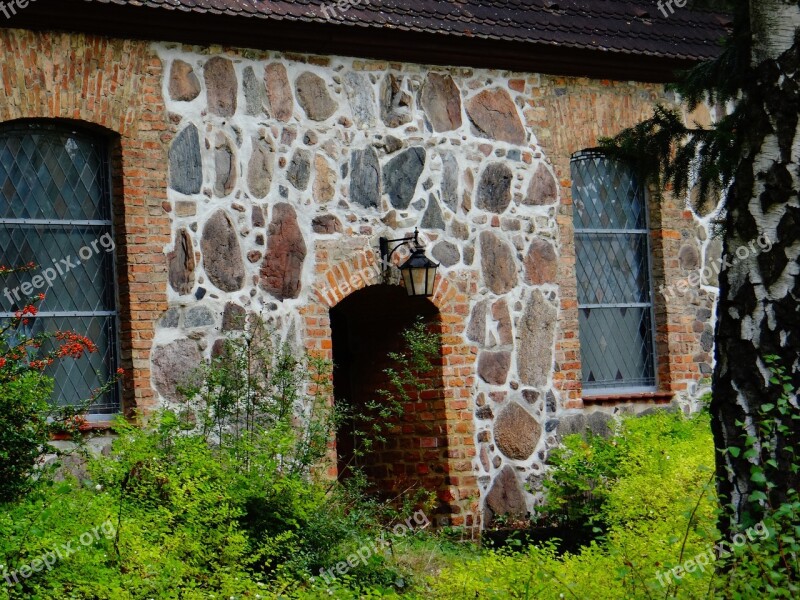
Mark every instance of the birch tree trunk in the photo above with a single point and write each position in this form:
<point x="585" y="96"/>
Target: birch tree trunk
<point x="759" y="302"/>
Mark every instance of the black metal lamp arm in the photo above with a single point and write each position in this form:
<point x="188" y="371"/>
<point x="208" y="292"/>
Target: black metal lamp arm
<point x="386" y="253"/>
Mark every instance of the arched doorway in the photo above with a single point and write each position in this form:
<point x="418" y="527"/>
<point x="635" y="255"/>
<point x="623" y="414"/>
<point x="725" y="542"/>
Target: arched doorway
<point x="365" y="327"/>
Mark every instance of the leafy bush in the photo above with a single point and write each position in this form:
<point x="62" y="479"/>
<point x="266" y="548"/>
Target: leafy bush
<point x="651" y="487"/>
<point x="24" y="431"/>
<point x="28" y="420"/>
<point x="580" y="480"/>
<point x="221" y="496"/>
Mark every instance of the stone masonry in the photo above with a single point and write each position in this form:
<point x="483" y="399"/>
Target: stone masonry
<point x="259" y="182"/>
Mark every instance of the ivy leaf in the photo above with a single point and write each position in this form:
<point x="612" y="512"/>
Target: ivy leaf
<point x="734" y="451"/>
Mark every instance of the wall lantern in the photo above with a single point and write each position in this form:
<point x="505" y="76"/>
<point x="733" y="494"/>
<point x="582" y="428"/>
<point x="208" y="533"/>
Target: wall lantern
<point x="419" y="272"/>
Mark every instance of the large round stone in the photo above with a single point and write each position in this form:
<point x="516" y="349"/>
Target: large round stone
<point x="222" y="256"/>
<point x="365" y="178"/>
<point x="282" y="268"/>
<point x="279" y="92"/>
<point x="441" y="100"/>
<point x="185" y="162"/>
<point x="181" y="263"/>
<point x="505" y="496"/>
<point x="401" y="174"/>
<point x="497" y="263"/>
<point x="173" y="366"/>
<point x="494" y="188"/>
<point x="361" y="99"/>
<point x="495" y="116"/>
<point x="198" y="316"/>
<point x="537" y="335"/>
<point x="313" y="96"/>
<point x="543" y="188"/>
<point x="221" y="86"/>
<point x="541" y="263"/>
<point x="260" y="168"/>
<point x="299" y="171"/>
<point x="516" y="432"/>
<point x="183" y="83"/>
<point x="224" y="167"/>
<point x="493" y="367"/>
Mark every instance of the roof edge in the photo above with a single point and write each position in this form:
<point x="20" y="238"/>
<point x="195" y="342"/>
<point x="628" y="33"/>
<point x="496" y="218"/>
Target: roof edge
<point x="204" y="29"/>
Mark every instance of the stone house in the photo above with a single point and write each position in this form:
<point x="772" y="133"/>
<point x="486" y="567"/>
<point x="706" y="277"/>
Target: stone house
<point x="245" y="156"/>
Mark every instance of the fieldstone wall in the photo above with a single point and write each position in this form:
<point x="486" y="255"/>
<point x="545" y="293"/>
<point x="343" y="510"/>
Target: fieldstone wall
<point x="283" y="172"/>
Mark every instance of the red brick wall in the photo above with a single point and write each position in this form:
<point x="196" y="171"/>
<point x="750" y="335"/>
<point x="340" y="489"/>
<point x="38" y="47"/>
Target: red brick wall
<point x="457" y="371"/>
<point x="115" y="85"/>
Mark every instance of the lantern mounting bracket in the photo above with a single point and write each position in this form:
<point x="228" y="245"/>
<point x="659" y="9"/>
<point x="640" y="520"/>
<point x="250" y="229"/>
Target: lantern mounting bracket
<point x="386" y="252"/>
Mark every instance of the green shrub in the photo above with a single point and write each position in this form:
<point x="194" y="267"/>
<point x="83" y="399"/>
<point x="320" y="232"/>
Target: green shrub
<point x="28" y="419"/>
<point x="219" y="497"/>
<point x="650" y="485"/>
<point x="24" y="431"/>
<point x="582" y="473"/>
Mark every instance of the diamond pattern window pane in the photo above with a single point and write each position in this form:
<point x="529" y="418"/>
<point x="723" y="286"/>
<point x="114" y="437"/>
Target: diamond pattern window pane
<point x="613" y="273"/>
<point x="64" y="253"/>
<point x="51" y="173"/>
<point x="612" y="268"/>
<point x="616" y="347"/>
<point x="606" y="195"/>
<point x="55" y="212"/>
<point x="76" y="379"/>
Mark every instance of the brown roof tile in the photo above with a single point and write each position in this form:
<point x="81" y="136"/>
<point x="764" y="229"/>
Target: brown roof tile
<point x="635" y="27"/>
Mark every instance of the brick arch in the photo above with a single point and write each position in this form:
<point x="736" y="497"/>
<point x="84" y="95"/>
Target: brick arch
<point x="114" y="85"/>
<point x="451" y="298"/>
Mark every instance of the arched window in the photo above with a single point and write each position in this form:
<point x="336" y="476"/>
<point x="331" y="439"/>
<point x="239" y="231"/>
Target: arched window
<point x="55" y="212"/>
<point x="615" y="297"/>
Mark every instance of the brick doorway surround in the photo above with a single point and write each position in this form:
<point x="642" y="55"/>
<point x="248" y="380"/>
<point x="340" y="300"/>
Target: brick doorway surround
<point x="339" y="277"/>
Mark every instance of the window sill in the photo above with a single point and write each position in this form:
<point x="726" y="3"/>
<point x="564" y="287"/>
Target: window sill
<point x="635" y="397"/>
<point x="93" y="427"/>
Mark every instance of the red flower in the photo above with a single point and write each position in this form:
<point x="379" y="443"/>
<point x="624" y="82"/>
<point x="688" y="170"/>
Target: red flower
<point x="120" y="371"/>
<point x="2" y="362"/>
<point x="30" y="309"/>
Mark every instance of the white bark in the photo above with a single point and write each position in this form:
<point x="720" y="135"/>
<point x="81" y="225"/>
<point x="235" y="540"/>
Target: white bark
<point x="774" y="25"/>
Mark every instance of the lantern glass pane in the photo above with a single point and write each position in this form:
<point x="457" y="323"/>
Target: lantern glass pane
<point x="408" y="281"/>
<point x="419" y="280"/>
<point x="431" y="281"/>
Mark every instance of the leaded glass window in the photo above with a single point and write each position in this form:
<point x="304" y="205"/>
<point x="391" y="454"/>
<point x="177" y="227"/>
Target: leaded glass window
<point x="55" y="212"/>
<point x="615" y="298"/>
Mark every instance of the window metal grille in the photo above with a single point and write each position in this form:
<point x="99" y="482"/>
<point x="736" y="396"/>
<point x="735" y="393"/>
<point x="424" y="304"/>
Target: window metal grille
<point x="615" y="297"/>
<point x="55" y="212"/>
